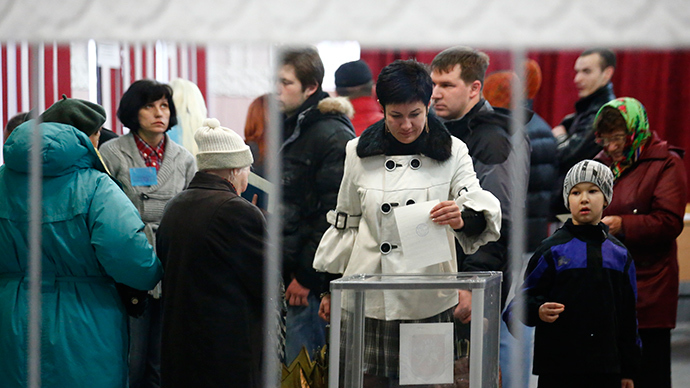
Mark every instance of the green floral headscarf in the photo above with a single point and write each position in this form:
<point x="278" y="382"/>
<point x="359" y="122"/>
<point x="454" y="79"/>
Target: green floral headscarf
<point x="637" y="128"/>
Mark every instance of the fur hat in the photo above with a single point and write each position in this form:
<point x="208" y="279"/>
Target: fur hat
<point x="83" y="115"/>
<point x="589" y="171"/>
<point x="220" y="148"/>
<point x="353" y="73"/>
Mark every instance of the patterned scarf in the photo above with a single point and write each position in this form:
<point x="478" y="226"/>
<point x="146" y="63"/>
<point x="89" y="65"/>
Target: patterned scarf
<point x="637" y="129"/>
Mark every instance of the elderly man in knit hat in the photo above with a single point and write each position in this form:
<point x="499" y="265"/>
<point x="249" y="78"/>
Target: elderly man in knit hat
<point x="354" y="80"/>
<point x="211" y="242"/>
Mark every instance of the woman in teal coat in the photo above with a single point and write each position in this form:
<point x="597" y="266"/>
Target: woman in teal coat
<point x="92" y="236"/>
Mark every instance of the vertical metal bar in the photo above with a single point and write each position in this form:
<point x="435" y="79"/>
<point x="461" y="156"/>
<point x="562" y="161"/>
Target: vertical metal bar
<point x="273" y="254"/>
<point x="356" y="378"/>
<point x="35" y="214"/>
<point x="517" y="242"/>
<point x="477" y="338"/>
<point x="334" y="342"/>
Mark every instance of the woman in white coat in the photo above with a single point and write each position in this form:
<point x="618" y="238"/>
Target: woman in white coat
<point x="408" y="157"/>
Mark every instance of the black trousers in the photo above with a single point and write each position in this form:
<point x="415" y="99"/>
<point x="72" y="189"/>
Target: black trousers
<point x="655" y="370"/>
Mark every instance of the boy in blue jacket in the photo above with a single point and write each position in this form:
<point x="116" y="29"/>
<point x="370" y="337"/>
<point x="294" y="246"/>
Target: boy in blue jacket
<point x="580" y="293"/>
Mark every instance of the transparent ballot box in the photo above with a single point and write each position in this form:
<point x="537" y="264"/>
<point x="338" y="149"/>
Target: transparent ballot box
<point x="400" y="329"/>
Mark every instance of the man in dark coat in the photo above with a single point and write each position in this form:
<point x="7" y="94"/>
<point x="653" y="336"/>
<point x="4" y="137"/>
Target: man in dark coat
<point x="315" y="131"/>
<point x="575" y="134"/>
<point x="458" y="75"/>
<point x="211" y="242"/>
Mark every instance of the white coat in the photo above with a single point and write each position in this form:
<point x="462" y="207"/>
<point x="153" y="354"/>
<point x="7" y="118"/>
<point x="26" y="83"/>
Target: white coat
<point x="367" y="185"/>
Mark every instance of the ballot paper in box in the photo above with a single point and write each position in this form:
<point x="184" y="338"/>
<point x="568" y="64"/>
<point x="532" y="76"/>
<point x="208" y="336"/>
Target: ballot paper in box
<point x="263" y="189"/>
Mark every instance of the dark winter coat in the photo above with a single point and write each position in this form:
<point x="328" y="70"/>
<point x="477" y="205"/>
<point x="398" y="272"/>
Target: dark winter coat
<point x="313" y="158"/>
<point x="593" y="276"/>
<point x="579" y="144"/>
<point x="211" y="242"/>
<point x="486" y="132"/>
<point x="542" y="177"/>
<point x="650" y="197"/>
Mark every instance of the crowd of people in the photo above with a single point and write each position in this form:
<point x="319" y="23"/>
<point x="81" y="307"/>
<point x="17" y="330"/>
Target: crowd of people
<point x="153" y="262"/>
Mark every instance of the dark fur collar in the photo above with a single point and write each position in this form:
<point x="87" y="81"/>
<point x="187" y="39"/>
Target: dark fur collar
<point x="438" y="144"/>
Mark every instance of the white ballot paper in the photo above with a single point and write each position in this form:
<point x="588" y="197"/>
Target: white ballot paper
<point x="426" y="353"/>
<point x="424" y="242"/>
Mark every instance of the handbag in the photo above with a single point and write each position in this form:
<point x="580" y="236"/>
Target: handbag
<point x="135" y="301"/>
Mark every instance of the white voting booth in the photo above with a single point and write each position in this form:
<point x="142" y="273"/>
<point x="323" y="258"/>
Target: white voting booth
<point x="516" y="25"/>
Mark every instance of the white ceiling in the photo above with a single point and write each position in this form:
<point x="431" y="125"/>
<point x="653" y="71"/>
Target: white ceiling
<point x="539" y="24"/>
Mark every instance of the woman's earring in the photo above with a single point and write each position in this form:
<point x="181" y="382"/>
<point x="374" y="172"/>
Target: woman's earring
<point x="385" y="126"/>
<point x="426" y="125"/>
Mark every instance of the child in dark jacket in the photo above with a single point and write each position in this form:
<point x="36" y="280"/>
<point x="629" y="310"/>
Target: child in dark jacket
<point x="580" y="293"/>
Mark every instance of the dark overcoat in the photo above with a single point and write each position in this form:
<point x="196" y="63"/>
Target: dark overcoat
<point x="211" y="242"/>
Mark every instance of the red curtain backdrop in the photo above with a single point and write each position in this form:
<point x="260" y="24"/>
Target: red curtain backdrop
<point x="659" y="79"/>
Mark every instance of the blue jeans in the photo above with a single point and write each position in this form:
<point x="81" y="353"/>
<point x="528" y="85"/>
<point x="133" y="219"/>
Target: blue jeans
<point x="145" y="347"/>
<point x="516" y="372"/>
<point x="304" y="327"/>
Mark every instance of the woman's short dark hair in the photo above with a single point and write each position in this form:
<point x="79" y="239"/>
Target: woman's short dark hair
<point x="403" y="82"/>
<point x="139" y="94"/>
<point x="609" y="120"/>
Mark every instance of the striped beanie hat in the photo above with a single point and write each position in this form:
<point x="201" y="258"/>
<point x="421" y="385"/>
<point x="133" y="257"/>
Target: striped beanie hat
<point x="589" y="171"/>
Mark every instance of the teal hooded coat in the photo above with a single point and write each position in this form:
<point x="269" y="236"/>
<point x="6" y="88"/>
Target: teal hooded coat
<point x="92" y="235"/>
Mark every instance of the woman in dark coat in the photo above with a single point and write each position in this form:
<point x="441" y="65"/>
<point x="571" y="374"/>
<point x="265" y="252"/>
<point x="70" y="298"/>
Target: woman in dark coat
<point x="646" y="214"/>
<point x="211" y="242"/>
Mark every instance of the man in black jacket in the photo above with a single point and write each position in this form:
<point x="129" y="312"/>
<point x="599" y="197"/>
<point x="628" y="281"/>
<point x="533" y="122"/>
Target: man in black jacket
<point x="315" y="131"/>
<point x="458" y="75"/>
<point x="575" y="134"/>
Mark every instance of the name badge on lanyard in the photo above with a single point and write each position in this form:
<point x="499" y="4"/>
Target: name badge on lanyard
<point x="143" y="176"/>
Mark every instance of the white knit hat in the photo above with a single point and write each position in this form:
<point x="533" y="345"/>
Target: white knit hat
<point x="589" y="171"/>
<point x="220" y="148"/>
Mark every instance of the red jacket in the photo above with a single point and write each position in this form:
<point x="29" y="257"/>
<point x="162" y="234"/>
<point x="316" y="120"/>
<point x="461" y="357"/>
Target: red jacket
<point x="650" y="197"/>
<point x="367" y="112"/>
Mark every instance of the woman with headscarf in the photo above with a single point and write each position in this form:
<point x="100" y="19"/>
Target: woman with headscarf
<point x="646" y="214"/>
<point x="408" y="157"/>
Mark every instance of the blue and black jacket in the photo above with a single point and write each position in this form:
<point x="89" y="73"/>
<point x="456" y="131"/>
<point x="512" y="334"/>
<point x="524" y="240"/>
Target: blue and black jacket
<point x="592" y="274"/>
